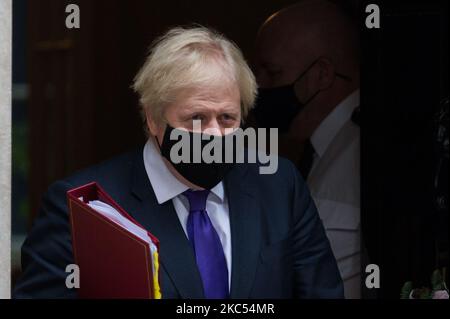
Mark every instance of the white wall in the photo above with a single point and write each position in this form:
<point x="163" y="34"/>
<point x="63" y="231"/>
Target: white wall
<point x="5" y="147"/>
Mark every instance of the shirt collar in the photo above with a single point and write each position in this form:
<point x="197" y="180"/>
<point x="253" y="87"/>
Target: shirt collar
<point x="165" y="185"/>
<point x="332" y="124"/>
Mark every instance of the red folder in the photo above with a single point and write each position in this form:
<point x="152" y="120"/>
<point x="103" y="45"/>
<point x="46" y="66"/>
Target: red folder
<point x="113" y="262"/>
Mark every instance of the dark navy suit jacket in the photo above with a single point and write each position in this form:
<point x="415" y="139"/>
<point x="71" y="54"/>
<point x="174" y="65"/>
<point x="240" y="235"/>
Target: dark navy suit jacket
<point x="279" y="247"/>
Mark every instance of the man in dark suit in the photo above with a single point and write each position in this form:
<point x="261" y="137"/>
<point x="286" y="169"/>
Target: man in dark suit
<point x="225" y="231"/>
<point x="312" y="85"/>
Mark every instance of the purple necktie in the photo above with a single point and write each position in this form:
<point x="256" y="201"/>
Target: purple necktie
<point x="208" y="249"/>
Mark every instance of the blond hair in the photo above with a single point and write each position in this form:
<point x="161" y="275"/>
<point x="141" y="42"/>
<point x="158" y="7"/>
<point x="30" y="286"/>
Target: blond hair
<point x="190" y="57"/>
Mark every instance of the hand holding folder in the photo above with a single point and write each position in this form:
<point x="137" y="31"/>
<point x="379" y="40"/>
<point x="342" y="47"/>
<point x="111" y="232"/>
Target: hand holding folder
<point x="117" y="257"/>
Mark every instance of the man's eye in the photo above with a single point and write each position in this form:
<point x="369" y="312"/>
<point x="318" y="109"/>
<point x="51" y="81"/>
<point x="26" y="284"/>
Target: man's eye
<point x="227" y="118"/>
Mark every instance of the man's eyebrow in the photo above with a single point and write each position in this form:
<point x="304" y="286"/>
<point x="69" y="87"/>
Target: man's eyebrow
<point x="194" y="108"/>
<point x="230" y="109"/>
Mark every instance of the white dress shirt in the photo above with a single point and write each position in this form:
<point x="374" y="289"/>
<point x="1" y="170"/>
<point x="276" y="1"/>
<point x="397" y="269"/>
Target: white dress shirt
<point x="334" y="182"/>
<point x="167" y="187"/>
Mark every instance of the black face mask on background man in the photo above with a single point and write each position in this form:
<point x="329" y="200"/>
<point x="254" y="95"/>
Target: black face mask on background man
<point x="276" y="107"/>
<point x="203" y="174"/>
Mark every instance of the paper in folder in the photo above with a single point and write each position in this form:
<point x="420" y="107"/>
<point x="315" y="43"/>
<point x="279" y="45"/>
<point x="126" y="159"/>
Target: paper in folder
<point x="116" y="256"/>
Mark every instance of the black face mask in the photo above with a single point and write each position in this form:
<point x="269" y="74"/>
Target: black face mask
<point x="205" y="175"/>
<point x="277" y="107"/>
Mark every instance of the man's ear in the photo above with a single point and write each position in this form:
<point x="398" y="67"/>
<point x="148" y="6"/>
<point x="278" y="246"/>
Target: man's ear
<point x="326" y="74"/>
<point x="152" y="126"/>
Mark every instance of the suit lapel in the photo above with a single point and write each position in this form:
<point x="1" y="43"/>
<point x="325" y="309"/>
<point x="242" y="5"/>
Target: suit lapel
<point x="345" y="137"/>
<point x="245" y="231"/>
<point x="176" y="254"/>
<point x="177" y="257"/>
